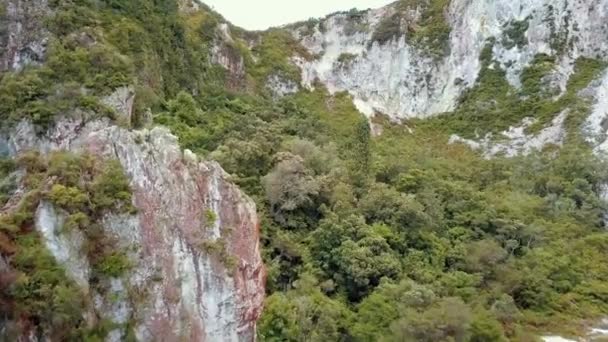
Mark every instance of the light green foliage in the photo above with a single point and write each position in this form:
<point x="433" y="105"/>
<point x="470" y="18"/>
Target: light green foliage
<point x="291" y="188"/>
<point x="111" y="189"/>
<point x="448" y="319"/>
<point x="484" y="328"/>
<point x="219" y="249"/>
<point x="68" y="197"/>
<point x="41" y="93"/>
<point x="532" y="77"/>
<point x="185" y="115"/>
<point x="210" y="217"/>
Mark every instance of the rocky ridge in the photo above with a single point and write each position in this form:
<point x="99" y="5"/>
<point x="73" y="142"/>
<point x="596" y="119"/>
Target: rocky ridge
<point x="401" y="79"/>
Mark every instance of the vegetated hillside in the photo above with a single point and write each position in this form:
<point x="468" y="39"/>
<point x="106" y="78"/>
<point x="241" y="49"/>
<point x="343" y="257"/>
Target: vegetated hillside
<point x="395" y="236"/>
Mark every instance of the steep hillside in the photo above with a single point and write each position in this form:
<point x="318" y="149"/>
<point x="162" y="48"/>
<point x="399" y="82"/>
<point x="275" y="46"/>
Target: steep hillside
<point x="416" y="58"/>
<point x="109" y="232"/>
<point x="433" y="170"/>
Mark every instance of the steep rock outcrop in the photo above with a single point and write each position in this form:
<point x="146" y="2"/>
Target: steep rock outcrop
<point x="224" y="52"/>
<point x="194" y="243"/>
<point x="400" y="79"/>
<point x="23" y="37"/>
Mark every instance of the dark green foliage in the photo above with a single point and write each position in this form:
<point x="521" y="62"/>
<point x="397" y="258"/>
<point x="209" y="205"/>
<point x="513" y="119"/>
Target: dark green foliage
<point x="431" y="32"/>
<point x="364" y="214"/>
<point x="345" y="59"/>
<point x="42" y="292"/>
<point x="304" y="314"/>
<point x="515" y="34"/>
<point x="3" y="28"/>
<point x="388" y="29"/>
<point x="361" y="153"/>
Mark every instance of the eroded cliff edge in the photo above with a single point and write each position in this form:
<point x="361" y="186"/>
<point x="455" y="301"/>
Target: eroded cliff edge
<point x="193" y="245"/>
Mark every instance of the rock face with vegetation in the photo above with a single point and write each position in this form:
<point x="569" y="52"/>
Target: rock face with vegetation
<point x="416" y="58"/>
<point x="131" y="130"/>
<point x="147" y="241"/>
<point x="190" y="265"/>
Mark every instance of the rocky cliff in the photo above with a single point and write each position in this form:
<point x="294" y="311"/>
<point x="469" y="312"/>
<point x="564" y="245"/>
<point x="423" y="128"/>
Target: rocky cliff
<point x="195" y="270"/>
<point x="416" y="58"/>
<point x="193" y="243"/>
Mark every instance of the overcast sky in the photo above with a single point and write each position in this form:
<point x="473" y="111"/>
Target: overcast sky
<point x="262" y="14"/>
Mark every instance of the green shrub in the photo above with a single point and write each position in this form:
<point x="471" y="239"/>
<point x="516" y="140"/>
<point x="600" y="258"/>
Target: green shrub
<point x="68" y="198"/>
<point x="113" y="265"/>
<point x="111" y="189"/>
<point x="346" y="59"/>
<point x="388" y="29"/>
<point x="210" y="217"/>
<point x="274" y="53"/>
<point x="515" y="34"/>
<point x="532" y="76"/>
<point x="431" y="33"/>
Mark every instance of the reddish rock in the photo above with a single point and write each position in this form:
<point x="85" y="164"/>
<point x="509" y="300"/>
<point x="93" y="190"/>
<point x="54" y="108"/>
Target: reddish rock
<point x="194" y="242"/>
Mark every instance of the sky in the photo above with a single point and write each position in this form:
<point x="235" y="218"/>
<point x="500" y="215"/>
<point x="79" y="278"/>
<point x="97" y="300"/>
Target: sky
<point x="262" y="14"/>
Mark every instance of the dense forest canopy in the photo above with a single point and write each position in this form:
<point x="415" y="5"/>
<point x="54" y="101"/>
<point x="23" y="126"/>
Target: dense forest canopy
<point x="392" y="237"/>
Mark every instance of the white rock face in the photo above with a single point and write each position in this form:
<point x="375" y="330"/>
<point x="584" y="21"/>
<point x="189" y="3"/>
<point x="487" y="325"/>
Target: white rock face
<point x="515" y="141"/>
<point x="281" y="87"/>
<point x="65" y="246"/>
<point x="556" y="339"/>
<point x="596" y="125"/>
<point x="121" y="101"/>
<point x="401" y="81"/>
<point x="225" y="54"/>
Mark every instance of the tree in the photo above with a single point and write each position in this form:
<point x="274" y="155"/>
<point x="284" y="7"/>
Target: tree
<point x="361" y="154"/>
<point x="483" y="256"/>
<point x="448" y="320"/>
<point x="292" y="191"/>
<point x="303" y="314"/>
<point x="361" y="265"/>
<point x="484" y="328"/>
